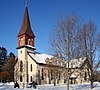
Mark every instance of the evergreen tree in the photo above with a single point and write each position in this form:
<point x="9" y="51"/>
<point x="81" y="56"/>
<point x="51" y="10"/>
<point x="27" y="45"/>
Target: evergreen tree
<point x="3" y="57"/>
<point x="8" y="69"/>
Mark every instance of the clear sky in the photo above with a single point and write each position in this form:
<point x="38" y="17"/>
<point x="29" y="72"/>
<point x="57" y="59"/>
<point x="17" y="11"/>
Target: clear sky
<point x="43" y="17"/>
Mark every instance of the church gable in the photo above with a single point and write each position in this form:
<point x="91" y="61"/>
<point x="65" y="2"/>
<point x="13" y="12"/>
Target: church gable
<point x="77" y="63"/>
<point x="39" y="58"/>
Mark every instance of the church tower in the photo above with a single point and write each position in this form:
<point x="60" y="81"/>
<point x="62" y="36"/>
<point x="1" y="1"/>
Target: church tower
<point x="25" y="44"/>
<point x="26" y="36"/>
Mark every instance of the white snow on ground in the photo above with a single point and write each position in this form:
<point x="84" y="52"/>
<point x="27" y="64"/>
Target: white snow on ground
<point x="10" y="86"/>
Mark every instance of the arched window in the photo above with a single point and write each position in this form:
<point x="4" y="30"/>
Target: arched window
<point x="28" y="41"/>
<point x="31" y="67"/>
<point x="21" y="66"/>
<point x="21" y="78"/>
<point x="31" y="79"/>
<point x="22" y="41"/>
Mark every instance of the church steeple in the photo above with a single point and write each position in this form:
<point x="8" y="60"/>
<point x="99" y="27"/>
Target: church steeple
<point x="26" y="27"/>
<point x="26" y="35"/>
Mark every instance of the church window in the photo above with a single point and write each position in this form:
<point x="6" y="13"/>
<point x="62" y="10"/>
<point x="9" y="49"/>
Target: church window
<point x="22" y="41"/>
<point x="42" y="74"/>
<point x="85" y="76"/>
<point x="27" y="78"/>
<point x="51" y="74"/>
<point x="59" y="75"/>
<point x="21" y="78"/>
<point x="26" y="41"/>
<point x="31" y="43"/>
<point x="21" y="66"/>
<point x="31" y="78"/>
<point x="31" y="67"/>
<point x="38" y="74"/>
<point x="20" y="52"/>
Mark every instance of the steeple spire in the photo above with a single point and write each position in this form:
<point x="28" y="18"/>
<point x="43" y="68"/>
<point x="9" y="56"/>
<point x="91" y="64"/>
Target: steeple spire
<point x="26" y="27"/>
<point x="26" y="35"/>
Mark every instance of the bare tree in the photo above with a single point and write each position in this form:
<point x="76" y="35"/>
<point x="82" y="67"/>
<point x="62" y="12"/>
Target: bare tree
<point x="88" y="43"/>
<point x="63" y="41"/>
<point x="72" y="40"/>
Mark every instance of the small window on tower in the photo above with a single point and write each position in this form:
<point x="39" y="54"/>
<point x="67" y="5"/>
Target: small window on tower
<point x="20" y="52"/>
<point x="30" y="42"/>
<point x="26" y="41"/>
<point x="22" y="41"/>
<point x="31" y="67"/>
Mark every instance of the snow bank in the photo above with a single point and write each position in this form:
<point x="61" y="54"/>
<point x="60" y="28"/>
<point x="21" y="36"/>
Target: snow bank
<point x="10" y="86"/>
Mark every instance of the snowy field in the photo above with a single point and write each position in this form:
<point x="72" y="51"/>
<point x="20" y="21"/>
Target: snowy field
<point x="10" y="86"/>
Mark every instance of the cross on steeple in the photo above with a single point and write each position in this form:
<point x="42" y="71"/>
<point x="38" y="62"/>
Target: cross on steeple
<point x="26" y="3"/>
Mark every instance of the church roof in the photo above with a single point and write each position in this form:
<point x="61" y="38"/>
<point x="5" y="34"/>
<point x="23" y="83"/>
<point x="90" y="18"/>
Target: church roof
<point x="39" y="58"/>
<point x="26" y="27"/>
<point x="77" y="63"/>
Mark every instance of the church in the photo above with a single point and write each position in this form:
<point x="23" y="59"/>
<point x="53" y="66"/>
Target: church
<point x="33" y="66"/>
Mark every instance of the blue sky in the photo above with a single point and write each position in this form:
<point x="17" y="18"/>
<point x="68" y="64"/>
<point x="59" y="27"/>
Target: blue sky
<point x="43" y="17"/>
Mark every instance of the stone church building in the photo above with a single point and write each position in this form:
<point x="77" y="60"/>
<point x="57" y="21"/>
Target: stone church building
<point x="33" y="66"/>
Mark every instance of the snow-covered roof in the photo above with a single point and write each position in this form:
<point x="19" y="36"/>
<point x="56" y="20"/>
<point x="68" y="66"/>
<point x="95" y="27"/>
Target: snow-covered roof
<point x="40" y="58"/>
<point x="76" y="62"/>
<point x="73" y="76"/>
<point x="30" y="46"/>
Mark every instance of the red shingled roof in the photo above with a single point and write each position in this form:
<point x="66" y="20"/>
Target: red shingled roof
<point x="26" y="27"/>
